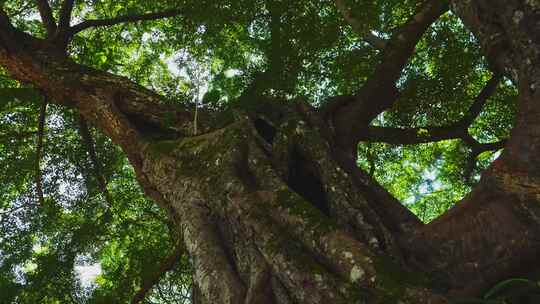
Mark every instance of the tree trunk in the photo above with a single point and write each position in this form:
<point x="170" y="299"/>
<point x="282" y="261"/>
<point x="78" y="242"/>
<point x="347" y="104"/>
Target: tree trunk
<point x="272" y="210"/>
<point x="267" y="212"/>
<point x="493" y="232"/>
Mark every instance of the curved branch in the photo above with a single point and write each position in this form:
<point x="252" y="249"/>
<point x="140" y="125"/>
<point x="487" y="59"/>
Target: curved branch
<point x="122" y="19"/>
<point x="393" y="213"/>
<point x="481" y="99"/>
<point x="380" y="92"/>
<point x="411" y="136"/>
<point x="47" y="17"/>
<point x="458" y="130"/>
<point x="476" y="151"/>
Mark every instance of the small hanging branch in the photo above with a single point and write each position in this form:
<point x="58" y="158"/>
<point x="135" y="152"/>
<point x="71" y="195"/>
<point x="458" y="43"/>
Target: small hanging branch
<point x="371" y="159"/>
<point x="91" y="149"/>
<point x="39" y="152"/>
<point x="195" y="118"/>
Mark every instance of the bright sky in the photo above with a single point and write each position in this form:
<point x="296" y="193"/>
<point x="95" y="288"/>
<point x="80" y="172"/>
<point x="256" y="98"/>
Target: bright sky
<point x="88" y="274"/>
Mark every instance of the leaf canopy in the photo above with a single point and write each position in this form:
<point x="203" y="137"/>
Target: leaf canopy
<point x="208" y="56"/>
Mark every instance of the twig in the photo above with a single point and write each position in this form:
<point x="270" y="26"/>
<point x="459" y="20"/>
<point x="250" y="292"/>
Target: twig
<point x="39" y="151"/>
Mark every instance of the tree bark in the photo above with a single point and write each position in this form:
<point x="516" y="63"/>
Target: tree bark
<point x="267" y="213"/>
<point x="493" y="233"/>
<point x="272" y="211"/>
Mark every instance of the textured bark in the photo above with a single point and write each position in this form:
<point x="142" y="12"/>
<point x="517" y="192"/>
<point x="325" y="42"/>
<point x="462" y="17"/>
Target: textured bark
<point x="352" y="116"/>
<point x="493" y="233"/>
<point x="271" y="206"/>
<point x="245" y="217"/>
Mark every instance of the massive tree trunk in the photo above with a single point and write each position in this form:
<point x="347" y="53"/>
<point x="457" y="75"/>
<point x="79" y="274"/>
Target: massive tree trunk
<point x="272" y="206"/>
<point x="494" y="231"/>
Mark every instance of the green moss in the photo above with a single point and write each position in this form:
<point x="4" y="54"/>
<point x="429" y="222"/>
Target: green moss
<point x="359" y="295"/>
<point x="314" y="220"/>
<point x="164" y="147"/>
<point x="392" y="280"/>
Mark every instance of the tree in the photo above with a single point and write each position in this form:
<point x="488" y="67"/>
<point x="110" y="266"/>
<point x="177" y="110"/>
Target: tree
<point x="277" y="176"/>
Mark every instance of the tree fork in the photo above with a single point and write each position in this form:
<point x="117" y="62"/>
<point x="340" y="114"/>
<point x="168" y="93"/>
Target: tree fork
<point x="340" y="264"/>
<point x="240" y="188"/>
<point x="228" y="190"/>
<point x="471" y="235"/>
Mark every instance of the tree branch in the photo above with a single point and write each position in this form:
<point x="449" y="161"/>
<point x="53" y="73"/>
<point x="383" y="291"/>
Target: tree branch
<point x="411" y="136"/>
<point x="276" y="60"/>
<point x="65" y="14"/>
<point x="154" y="279"/>
<point x="458" y="130"/>
<point x="39" y="152"/>
<point x="481" y="100"/>
<point x="123" y="19"/>
<point x="358" y="26"/>
<point x="476" y="151"/>
<point x="483" y="147"/>
<point x="90" y="148"/>
<point x="380" y="92"/>
<point x="47" y="17"/>
<point x="394" y="215"/>
<point x="375" y="41"/>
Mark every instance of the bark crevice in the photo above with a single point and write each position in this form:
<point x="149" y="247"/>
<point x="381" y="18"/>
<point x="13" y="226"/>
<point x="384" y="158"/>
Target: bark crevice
<point x="303" y="180"/>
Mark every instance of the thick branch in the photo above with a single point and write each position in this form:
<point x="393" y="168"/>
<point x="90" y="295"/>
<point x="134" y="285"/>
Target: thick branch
<point x="276" y="48"/>
<point x="481" y="100"/>
<point x="483" y="147"/>
<point x="458" y="130"/>
<point x="39" y="152"/>
<point x="358" y="26"/>
<point x="123" y="110"/>
<point x="375" y="41"/>
<point x="123" y="19"/>
<point x="47" y="17"/>
<point x="411" y="136"/>
<point x="380" y="91"/>
<point x="392" y="212"/>
<point x="477" y="150"/>
<point x="29" y="61"/>
<point x="493" y="232"/>
<point x="154" y="279"/>
<point x="65" y="14"/>
<point x="395" y="216"/>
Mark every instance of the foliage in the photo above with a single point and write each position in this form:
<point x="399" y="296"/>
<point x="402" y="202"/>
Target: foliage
<point x="209" y="55"/>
